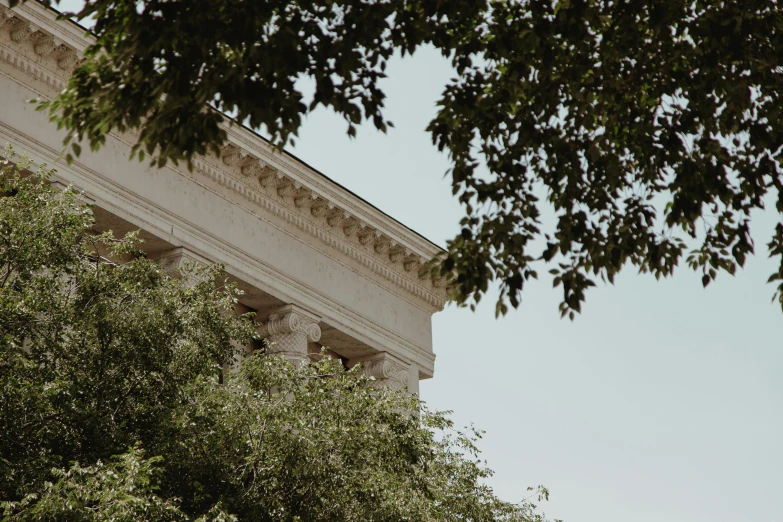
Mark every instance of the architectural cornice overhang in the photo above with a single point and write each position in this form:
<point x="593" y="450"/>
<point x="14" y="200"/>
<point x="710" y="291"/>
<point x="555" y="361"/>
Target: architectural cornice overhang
<point x="47" y="50"/>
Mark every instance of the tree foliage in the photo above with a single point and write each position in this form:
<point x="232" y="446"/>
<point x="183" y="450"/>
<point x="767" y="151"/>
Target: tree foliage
<point x="117" y="405"/>
<point x="648" y="131"/>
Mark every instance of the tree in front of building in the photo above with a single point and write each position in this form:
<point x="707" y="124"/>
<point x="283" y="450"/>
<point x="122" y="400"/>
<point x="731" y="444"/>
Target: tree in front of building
<point x="585" y="136"/>
<point x="115" y="404"/>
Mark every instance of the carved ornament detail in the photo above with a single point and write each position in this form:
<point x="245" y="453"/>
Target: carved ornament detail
<point x="22" y="32"/>
<point x="288" y="330"/>
<point x="366" y="235"/>
<point x="181" y="263"/>
<point x="285" y="190"/>
<point x="387" y="370"/>
<point x="320" y="207"/>
<point x="304" y="198"/>
<point x="382" y="245"/>
<point x="231" y="155"/>
<point x="45" y="45"/>
<point x="269" y="177"/>
<point x="396" y="253"/>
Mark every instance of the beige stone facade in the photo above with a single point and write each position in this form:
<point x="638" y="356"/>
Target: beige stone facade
<point x="321" y="266"/>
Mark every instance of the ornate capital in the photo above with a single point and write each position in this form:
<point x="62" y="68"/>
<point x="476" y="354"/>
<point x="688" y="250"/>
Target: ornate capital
<point x="292" y="319"/>
<point x="387" y="369"/>
<point x="288" y="330"/>
<point x="179" y="262"/>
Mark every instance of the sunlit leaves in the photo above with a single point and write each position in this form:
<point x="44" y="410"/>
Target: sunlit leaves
<point x="122" y="400"/>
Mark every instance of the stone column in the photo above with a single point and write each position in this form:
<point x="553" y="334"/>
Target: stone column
<point x="389" y="370"/>
<point x="288" y="330"/>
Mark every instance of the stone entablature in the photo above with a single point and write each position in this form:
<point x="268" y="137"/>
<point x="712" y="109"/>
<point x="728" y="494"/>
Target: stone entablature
<point x="287" y="192"/>
<point x="36" y="44"/>
<point x="316" y="261"/>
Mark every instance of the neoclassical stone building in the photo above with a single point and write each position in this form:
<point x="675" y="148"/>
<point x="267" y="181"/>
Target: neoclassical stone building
<point x="321" y="266"/>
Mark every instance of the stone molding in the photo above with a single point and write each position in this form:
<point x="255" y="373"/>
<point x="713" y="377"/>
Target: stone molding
<point x="315" y="215"/>
<point x="60" y="57"/>
<point x="288" y="330"/>
<point x="250" y="167"/>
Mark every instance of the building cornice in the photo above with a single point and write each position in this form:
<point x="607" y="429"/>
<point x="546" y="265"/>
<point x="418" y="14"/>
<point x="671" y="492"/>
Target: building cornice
<point x="47" y="50"/>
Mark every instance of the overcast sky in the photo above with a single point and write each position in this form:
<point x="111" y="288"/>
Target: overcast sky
<point x="662" y="401"/>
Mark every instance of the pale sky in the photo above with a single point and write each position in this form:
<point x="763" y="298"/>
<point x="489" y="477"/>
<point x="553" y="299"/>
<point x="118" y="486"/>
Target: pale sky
<point x="662" y="401"/>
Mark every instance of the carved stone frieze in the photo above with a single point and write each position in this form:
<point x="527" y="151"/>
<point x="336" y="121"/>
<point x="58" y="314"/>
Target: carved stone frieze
<point x="286" y="189"/>
<point x="231" y="155"/>
<point x="304" y="198"/>
<point x="397" y="253"/>
<point x="45" y="45"/>
<point x="269" y="177"/>
<point x="366" y="235"/>
<point x="23" y="32"/>
<point x="351" y="226"/>
<point x="320" y="207"/>
<point x="251" y="168"/>
<point x="68" y="61"/>
<point x="382" y="245"/>
<point x="411" y="263"/>
<point x="336" y="216"/>
<point x="6" y="16"/>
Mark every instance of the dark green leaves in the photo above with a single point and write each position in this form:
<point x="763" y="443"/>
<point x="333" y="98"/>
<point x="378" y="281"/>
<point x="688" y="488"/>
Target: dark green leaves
<point x="113" y="409"/>
<point x="612" y="111"/>
<point x="649" y="130"/>
<point x="157" y="65"/>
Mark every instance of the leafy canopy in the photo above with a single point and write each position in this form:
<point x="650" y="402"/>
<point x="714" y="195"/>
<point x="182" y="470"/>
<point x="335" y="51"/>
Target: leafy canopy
<point x="648" y="130"/>
<point x="113" y="408"/>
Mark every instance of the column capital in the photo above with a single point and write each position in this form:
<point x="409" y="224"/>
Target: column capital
<point x="388" y="370"/>
<point x="177" y="261"/>
<point x="292" y="319"/>
<point x="288" y="330"/>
